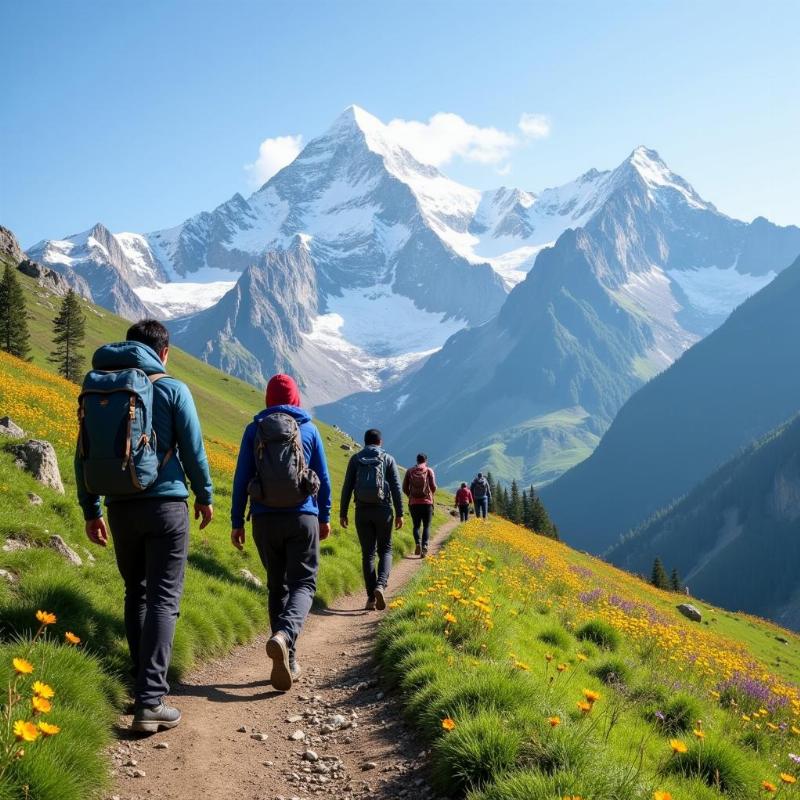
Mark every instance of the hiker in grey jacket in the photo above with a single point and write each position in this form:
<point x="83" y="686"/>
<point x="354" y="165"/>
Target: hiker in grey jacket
<point x="150" y="529"/>
<point x="373" y="478"/>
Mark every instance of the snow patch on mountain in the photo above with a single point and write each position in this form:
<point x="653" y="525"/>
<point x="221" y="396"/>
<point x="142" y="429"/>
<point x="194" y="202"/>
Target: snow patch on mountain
<point x="378" y="334"/>
<point x="717" y="291"/>
<point x="179" y="298"/>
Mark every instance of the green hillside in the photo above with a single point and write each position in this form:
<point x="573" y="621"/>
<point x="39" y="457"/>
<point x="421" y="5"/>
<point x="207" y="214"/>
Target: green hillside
<point x="220" y="609"/>
<point x="734" y="537"/>
<point x="729" y="389"/>
<point x="539" y="673"/>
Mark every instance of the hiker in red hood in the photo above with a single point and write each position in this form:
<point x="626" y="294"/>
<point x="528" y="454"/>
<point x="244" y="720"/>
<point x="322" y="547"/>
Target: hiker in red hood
<point x="289" y="492"/>
<point x="420" y="486"/>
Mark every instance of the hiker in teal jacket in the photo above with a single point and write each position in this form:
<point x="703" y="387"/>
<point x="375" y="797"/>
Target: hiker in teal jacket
<point x="150" y="529"/>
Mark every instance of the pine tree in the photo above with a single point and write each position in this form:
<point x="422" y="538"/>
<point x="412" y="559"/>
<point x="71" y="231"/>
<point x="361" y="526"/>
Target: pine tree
<point x="526" y="509"/>
<point x="659" y="577"/>
<point x="506" y="503"/>
<point x="675" y="581"/>
<point x="69" y="332"/>
<point x="515" y="504"/>
<point x="492" y="493"/>
<point x="540" y="519"/>
<point x="14" y="336"/>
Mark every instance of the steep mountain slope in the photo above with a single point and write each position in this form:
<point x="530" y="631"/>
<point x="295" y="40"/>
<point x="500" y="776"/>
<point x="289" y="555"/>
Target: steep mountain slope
<point x="97" y="257"/>
<point x="731" y="388"/>
<point x="734" y="536"/>
<point x="530" y="392"/>
<point x="260" y="321"/>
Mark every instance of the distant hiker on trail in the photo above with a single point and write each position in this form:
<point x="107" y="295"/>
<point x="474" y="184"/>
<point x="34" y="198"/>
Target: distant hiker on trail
<point x="143" y="478"/>
<point x="282" y="467"/>
<point x="481" y="495"/>
<point x="419" y="484"/>
<point x="373" y="478"/>
<point x="463" y="500"/>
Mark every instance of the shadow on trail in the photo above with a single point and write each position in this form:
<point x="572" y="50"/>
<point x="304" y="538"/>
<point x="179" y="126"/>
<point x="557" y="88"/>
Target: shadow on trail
<point x="226" y="692"/>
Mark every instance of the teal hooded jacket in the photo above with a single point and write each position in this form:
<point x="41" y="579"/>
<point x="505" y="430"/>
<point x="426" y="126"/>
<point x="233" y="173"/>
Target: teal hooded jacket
<point x="176" y="425"/>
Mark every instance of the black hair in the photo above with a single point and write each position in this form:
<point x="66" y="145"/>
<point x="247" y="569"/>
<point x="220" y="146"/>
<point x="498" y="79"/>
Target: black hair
<point x="463" y="485"/>
<point x="421" y="458"/>
<point x="480" y="474"/>
<point x="150" y="332"/>
<point x="373" y="436"/>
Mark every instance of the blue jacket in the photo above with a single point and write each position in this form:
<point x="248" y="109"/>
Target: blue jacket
<point x="176" y="425"/>
<point x="246" y="470"/>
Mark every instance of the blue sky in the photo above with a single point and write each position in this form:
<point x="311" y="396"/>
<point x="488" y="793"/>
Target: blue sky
<point x="141" y="114"/>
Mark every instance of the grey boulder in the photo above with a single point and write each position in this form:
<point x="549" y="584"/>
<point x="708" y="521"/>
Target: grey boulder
<point x="39" y="458"/>
<point x="690" y="612"/>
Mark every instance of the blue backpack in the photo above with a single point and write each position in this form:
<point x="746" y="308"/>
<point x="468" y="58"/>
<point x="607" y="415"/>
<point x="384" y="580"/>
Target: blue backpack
<point x="116" y="441"/>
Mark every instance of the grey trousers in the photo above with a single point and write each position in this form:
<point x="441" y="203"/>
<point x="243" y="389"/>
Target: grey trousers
<point x="288" y="545"/>
<point x="374" y="528"/>
<point x="151" y="542"/>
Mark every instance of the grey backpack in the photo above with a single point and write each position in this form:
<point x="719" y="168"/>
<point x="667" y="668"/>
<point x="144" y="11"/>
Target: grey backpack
<point x="370" y="479"/>
<point x="282" y="478"/>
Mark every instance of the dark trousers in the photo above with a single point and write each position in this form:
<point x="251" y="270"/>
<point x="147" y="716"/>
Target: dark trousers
<point x="374" y="528"/>
<point x="288" y="545"/>
<point x="481" y="506"/>
<point x="151" y="542"/>
<point x="463" y="511"/>
<point x="421" y="516"/>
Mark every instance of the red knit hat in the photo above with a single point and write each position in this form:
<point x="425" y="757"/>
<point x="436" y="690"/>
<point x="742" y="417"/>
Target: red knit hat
<point x="282" y="391"/>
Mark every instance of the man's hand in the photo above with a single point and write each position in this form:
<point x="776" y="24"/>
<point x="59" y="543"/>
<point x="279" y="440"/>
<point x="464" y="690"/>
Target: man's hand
<point x="96" y="531"/>
<point x="343" y="521"/>
<point x="398" y="523"/>
<point x="206" y="512"/>
<point x="237" y="538"/>
<point x="324" y="530"/>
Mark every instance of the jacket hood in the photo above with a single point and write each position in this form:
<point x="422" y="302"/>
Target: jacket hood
<point x="300" y="414"/>
<point x="128" y="355"/>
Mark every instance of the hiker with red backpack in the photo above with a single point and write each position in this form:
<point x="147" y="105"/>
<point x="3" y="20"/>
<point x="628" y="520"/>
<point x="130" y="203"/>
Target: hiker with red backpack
<point x="283" y="471"/>
<point x="373" y="479"/>
<point x="463" y="500"/>
<point x="139" y="438"/>
<point x="419" y="485"/>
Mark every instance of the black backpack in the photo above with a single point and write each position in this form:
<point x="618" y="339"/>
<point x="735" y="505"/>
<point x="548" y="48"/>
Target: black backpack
<point x="479" y="488"/>
<point x="282" y="478"/>
<point x="370" y="485"/>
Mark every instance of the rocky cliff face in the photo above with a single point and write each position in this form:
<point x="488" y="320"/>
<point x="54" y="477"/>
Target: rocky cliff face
<point x="257" y="326"/>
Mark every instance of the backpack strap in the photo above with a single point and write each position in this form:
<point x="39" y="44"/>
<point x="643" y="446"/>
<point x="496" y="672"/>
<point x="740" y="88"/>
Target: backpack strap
<point x="154" y="379"/>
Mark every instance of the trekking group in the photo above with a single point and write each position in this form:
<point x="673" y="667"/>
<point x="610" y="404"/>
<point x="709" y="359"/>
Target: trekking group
<point x="139" y="443"/>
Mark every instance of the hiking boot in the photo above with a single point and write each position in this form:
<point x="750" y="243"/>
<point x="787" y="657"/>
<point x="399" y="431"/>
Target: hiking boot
<point x="278" y="651"/>
<point x="380" y="600"/>
<point x="417" y="550"/>
<point x="424" y="552"/>
<point x="151" y="719"/>
<point x="370" y="606"/>
<point x="294" y="668"/>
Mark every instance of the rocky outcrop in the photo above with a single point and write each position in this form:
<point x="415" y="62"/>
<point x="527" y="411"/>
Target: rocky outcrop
<point x="39" y="458"/>
<point x="10" y="428"/>
<point x="56" y="282"/>
<point x="690" y="612"/>
<point x="64" y="550"/>
<point x="10" y="251"/>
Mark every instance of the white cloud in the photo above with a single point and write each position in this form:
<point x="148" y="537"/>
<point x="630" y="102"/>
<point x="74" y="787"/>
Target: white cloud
<point x="446" y="136"/>
<point x="273" y="155"/>
<point x="535" y="126"/>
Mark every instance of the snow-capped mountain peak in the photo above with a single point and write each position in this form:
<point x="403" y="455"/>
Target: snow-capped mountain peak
<point x="652" y="169"/>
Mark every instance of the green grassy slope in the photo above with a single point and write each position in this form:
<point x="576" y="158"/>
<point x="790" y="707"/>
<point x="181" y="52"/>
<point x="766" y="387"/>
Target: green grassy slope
<point x="220" y="608"/>
<point x="539" y="673"/>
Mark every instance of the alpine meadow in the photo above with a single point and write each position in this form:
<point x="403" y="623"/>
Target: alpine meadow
<point x="400" y="400"/>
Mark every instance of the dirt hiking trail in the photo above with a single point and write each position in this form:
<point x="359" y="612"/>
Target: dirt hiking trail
<point x="335" y="735"/>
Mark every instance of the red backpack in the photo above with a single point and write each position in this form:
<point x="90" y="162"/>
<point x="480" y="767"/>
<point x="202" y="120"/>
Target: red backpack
<point x="418" y="485"/>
